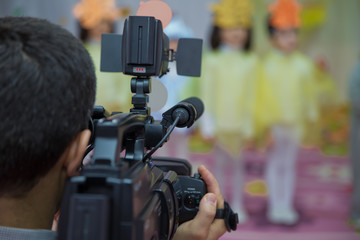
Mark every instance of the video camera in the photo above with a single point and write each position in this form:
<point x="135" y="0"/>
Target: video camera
<point x="124" y="193"/>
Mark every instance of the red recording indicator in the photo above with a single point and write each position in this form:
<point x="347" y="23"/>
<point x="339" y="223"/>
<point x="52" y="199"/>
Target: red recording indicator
<point x="139" y="70"/>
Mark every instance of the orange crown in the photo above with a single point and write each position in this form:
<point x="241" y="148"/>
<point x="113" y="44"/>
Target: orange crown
<point x="285" y="14"/>
<point x="91" y="12"/>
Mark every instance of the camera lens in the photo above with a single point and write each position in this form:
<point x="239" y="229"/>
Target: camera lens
<point x="190" y="201"/>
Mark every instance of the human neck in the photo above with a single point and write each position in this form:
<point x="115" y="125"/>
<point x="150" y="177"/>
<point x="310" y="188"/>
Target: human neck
<point x="284" y="52"/>
<point x="20" y="213"/>
<point x="230" y="48"/>
<point x="36" y="210"/>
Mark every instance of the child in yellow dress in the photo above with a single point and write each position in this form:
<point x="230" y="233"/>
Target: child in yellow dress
<point x="227" y="87"/>
<point x="289" y="76"/>
<point x="95" y="18"/>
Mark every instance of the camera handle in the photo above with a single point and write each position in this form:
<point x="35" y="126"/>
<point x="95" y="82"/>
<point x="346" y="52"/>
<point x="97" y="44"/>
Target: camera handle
<point x="141" y="86"/>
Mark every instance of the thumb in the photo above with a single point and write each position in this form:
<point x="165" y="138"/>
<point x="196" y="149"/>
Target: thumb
<point x="199" y="227"/>
<point x="206" y="214"/>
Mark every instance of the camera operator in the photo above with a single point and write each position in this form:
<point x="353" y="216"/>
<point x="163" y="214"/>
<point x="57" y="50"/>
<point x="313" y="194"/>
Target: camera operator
<point x="47" y="92"/>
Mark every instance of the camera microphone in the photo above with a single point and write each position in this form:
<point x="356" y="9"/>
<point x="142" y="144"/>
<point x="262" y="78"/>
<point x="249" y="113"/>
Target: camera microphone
<point x="188" y="111"/>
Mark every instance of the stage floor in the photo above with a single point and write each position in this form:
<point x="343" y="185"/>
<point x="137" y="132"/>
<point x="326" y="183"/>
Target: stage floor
<point x="322" y="198"/>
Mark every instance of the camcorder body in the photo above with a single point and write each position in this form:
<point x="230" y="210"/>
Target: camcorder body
<point x="125" y="193"/>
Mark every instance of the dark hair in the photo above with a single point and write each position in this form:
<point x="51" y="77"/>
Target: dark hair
<point x="215" y="39"/>
<point x="47" y="91"/>
<point x="271" y="29"/>
<point x="84" y="33"/>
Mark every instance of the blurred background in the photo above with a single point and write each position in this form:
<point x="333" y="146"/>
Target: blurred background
<point x="329" y="29"/>
<point x="330" y="37"/>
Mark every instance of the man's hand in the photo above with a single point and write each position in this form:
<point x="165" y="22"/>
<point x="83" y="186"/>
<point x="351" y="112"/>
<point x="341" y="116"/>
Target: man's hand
<point x="203" y="226"/>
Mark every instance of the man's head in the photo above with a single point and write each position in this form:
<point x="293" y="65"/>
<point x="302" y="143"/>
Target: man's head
<point x="47" y="92"/>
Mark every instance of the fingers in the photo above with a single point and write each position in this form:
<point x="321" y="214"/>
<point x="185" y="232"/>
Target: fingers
<point x="212" y="184"/>
<point x="218" y="227"/>
<point x="199" y="227"/>
<point x="207" y="211"/>
<point x="203" y="226"/>
<point x="204" y="222"/>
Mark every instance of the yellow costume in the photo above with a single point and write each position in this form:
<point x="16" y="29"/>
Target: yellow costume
<point x="227" y="87"/>
<point x="292" y="97"/>
<point x="112" y="89"/>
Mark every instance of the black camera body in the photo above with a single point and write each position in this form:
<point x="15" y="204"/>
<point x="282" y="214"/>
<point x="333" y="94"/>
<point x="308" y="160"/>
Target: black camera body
<point x="143" y="50"/>
<point x="124" y="193"/>
<point x="149" y="57"/>
<point x="123" y="197"/>
<point x="189" y="192"/>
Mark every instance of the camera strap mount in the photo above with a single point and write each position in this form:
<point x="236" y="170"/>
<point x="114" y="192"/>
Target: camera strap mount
<point x="230" y="217"/>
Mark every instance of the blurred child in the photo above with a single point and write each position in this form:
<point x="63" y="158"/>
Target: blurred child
<point x="97" y="17"/>
<point x="289" y="76"/>
<point x="227" y="87"/>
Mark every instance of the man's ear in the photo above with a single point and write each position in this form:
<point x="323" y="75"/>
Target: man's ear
<point x="76" y="152"/>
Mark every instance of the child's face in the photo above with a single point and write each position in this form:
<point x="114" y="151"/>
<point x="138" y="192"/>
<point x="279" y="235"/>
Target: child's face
<point x="285" y="40"/>
<point x="234" y="37"/>
<point x="98" y="30"/>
